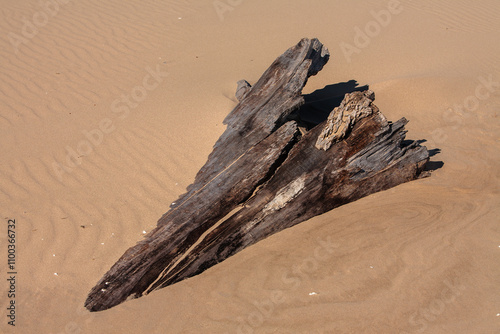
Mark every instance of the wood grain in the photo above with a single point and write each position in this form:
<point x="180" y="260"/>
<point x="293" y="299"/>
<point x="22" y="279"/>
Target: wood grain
<point x="264" y="176"/>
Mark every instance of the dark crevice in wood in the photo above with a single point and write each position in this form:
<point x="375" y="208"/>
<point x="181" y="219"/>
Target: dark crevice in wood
<point x="264" y="175"/>
<point x="318" y="104"/>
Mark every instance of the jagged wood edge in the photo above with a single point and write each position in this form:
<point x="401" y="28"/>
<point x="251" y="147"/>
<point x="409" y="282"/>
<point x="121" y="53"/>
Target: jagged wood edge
<point x="372" y="157"/>
<point x="246" y="155"/>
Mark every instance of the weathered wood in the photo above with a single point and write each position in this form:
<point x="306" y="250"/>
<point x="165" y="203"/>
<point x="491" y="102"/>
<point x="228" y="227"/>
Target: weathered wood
<point x="264" y="176"/>
<point x="264" y="108"/>
<point x="181" y="227"/>
<point x="310" y="182"/>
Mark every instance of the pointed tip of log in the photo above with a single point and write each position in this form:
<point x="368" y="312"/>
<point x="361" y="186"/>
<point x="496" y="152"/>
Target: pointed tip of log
<point x="262" y="161"/>
<point x="93" y="304"/>
<point x="94" y="307"/>
<point x="109" y="292"/>
<point x="99" y="299"/>
<point x="319" y="52"/>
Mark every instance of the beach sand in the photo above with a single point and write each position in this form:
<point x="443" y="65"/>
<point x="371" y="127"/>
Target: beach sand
<point x="108" y="110"/>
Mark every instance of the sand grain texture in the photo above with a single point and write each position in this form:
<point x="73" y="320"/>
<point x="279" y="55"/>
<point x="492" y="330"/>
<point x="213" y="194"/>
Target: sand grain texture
<point x="156" y="79"/>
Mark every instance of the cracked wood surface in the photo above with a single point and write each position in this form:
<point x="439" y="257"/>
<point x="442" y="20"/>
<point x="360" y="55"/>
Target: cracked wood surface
<point x="264" y="176"/>
<point x="263" y="107"/>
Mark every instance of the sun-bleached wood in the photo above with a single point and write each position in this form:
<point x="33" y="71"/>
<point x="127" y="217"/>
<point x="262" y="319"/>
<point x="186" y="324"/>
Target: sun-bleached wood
<point x="264" y="176"/>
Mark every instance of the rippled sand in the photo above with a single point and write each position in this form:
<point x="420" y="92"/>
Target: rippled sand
<point x="108" y="109"/>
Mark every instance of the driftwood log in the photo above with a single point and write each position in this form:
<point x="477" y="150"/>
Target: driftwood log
<point x="264" y="175"/>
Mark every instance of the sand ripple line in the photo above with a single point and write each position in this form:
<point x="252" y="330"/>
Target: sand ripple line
<point x="462" y="15"/>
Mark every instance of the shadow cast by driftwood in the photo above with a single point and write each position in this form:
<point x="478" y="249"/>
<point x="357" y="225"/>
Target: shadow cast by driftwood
<point x="267" y="173"/>
<point x="433" y="165"/>
<point x="320" y="103"/>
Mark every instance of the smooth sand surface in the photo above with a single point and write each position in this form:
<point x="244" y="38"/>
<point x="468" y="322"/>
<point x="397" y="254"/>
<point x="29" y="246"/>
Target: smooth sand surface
<point x="95" y="148"/>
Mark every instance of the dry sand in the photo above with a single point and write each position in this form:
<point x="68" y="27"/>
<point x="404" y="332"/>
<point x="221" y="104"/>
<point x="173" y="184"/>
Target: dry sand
<point x="420" y="258"/>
